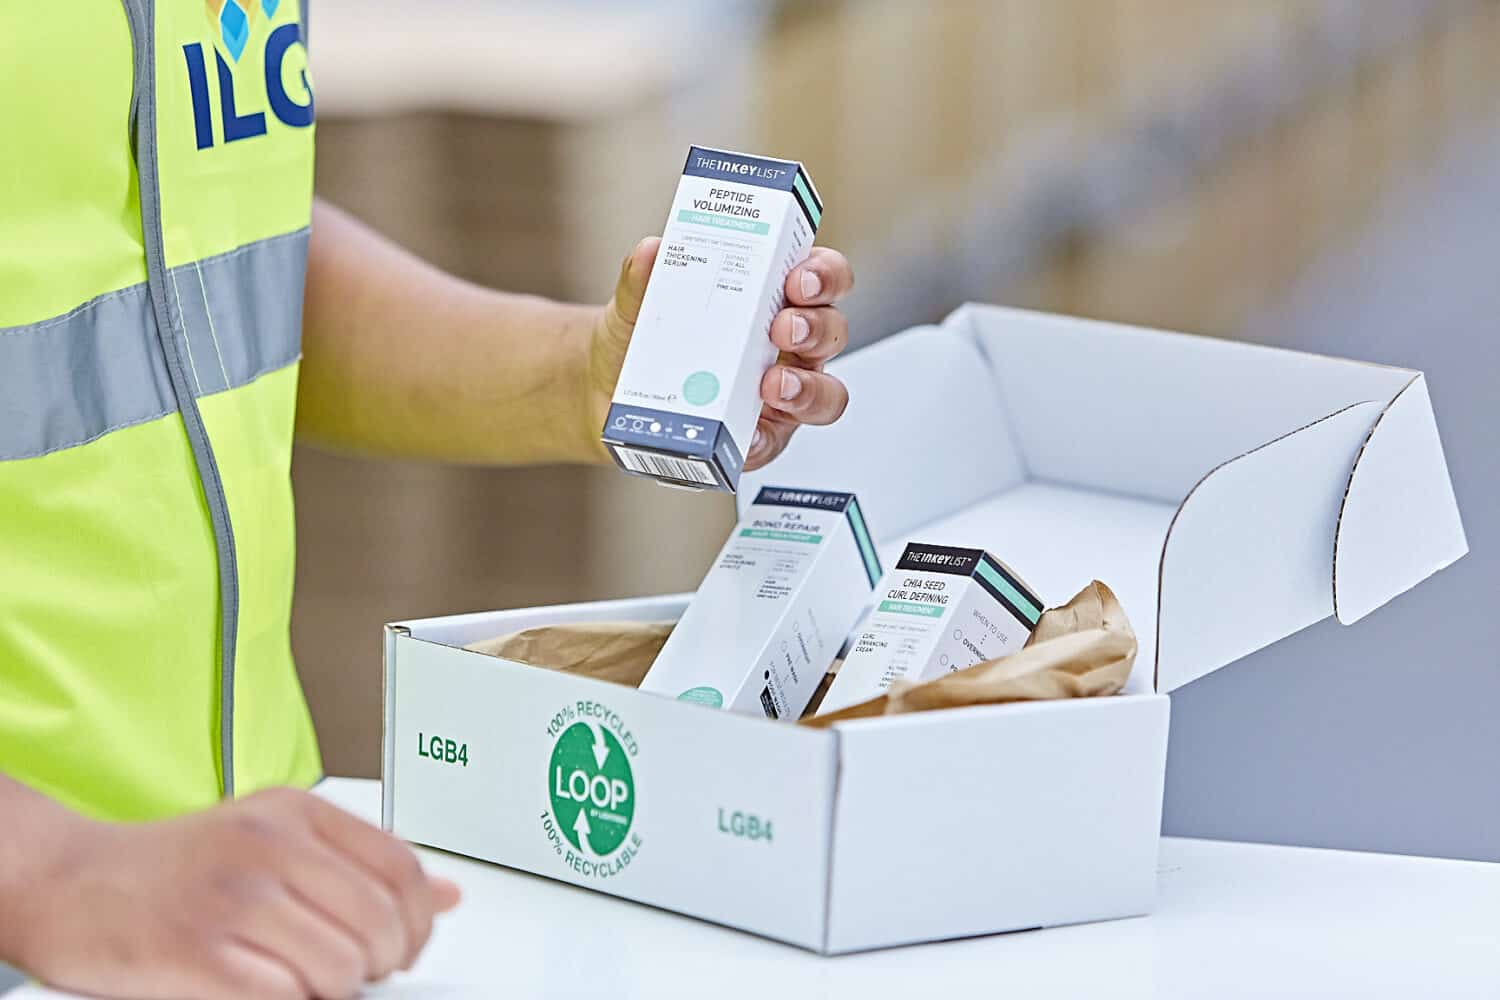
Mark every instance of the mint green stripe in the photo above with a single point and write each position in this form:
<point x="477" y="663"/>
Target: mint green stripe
<point x="781" y="536"/>
<point x="862" y="538"/>
<point x="808" y="200"/>
<point x="723" y="222"/>
<point x="1021" y="601"/>
<point x="908" y="608"/>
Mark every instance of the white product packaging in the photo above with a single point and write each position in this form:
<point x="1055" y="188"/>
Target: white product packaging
<point x="940" y="609"/>
<point x="688" y="397"/>
<point x="1229" y="494"/>
<point x="773" y="611"/>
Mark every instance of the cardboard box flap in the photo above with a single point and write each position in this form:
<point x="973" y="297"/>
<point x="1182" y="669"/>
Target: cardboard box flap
<point x="1248" y="557"/>
<point x="1146" y="412"/>
<point x="925" y="402"/>
<point x="1400" y="522"/>
<point x="1204" y="480"/>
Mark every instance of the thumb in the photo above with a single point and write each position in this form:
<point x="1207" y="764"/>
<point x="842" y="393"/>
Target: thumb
<point x="445" y="894"/>
<point x="625" y="307"/>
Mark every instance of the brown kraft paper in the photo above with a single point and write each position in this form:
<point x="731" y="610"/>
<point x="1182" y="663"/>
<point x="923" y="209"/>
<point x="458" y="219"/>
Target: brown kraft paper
<point x="618" y="652"/>
<point x="1084" y="649"/>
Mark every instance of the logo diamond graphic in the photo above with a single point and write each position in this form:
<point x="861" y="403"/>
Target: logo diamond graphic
<point x="269" y="6"/>
<point x="234" y="28"/>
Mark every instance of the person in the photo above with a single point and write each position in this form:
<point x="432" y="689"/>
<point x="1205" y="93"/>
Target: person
<point x="174" y="304"/>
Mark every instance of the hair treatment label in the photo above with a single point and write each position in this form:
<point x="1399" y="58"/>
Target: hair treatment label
<point x="688" y="398"/>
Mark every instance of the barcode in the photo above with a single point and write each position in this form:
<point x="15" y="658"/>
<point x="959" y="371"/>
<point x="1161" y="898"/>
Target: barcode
<point x="666" y="467"/>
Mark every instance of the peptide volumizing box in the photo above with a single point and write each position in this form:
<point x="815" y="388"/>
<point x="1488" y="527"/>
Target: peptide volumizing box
<point x="688" y="398"/>
<point x="773" y="611"/>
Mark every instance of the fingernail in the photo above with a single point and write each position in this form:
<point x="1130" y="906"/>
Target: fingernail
<point x="791" y="384"/>
<point x="757" y="441"/>
<point x="800" y="329"/>
<point x="811" y="284"/>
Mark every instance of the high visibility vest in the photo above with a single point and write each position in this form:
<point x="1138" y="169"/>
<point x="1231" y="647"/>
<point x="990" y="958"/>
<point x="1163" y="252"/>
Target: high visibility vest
<point x="155" y="192"/>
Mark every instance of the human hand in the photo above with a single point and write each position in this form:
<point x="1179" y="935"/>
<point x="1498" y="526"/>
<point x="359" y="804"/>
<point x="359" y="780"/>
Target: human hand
<point x="809" y="331"/>
<point x="279" y="894"/>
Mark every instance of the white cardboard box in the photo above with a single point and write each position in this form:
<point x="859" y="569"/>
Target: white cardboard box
<point x="1230" y="495"/>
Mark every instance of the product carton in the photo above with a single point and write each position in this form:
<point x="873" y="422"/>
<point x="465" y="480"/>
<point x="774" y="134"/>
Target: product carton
<point x="940" y="609"/>
<point x="688" y="396"/>
<point x="775" y="607"/>
<point x="1229" y="494"/>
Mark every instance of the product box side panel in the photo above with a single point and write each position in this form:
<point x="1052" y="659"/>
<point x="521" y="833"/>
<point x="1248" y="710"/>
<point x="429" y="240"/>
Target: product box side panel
<point x="743" y="407"/>
<point x="982" y="629"/>
<point x="842" y="563"/>
<point x="1000" y="818"/>
<point x="781" y="569"/>
<point x="1400" y="521"/>
<point x="870" y="666"/>
<point x="684" y="807"/>
<point x="923" y="411"/>
<point x="809" y="636"/>
<point x="724" y="616"/>
<point x="1147" y="412"/>
<point x="764" y="689"/>
<point x="1249" y="557"/>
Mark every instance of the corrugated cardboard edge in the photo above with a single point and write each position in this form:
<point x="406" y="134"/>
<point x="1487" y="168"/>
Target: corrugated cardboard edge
<point x="1400" y="540"/>
<point x="1171" y="527"/>
<point x="388" y="729"/>
<point x="834" y="802"/>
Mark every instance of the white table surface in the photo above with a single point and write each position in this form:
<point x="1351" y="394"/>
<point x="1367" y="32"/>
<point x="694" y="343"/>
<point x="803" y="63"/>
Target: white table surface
<point x="1232" y="920"/>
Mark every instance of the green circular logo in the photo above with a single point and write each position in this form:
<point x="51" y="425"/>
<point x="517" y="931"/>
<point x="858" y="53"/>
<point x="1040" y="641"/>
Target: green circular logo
<point x="712" y="697"/>
<point x="592" y="789"/>
<point x="700" y="388"/>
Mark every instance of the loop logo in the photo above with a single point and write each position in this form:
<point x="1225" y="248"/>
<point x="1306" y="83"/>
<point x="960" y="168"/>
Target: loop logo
<point x="234" y="26"/>
<point x="591" y="790"/>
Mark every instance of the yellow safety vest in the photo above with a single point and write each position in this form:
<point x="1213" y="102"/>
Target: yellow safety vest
<point x="155" y="192"/>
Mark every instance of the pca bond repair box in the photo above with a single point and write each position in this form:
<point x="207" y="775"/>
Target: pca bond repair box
<point x="1240" y="494"/>
<point x="688" y="398"/>
<point x="775" y="607"/>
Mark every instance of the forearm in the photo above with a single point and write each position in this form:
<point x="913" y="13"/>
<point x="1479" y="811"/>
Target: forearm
<point x="36" y="832"/>
<point x="399" y="358"/>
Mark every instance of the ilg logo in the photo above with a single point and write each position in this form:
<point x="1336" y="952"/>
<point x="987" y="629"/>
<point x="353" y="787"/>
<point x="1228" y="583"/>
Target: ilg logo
<point x="234" y="24"/>
<point x="591" y="790"/>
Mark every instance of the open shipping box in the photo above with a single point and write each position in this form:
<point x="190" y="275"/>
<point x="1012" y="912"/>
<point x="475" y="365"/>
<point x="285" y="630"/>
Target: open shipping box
<point x="1230" y="494"/>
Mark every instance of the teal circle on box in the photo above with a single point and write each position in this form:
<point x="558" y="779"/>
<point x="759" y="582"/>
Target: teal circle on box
<point x="701" y="388"/>
<point x="711" y="697"/>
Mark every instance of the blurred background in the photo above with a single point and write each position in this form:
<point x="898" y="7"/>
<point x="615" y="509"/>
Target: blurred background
<point x="1319" y="174"/>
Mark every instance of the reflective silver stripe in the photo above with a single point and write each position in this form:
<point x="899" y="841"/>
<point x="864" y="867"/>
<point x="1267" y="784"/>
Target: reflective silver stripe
<point x="68" y="380"/>
<point x="175" y="347"/>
